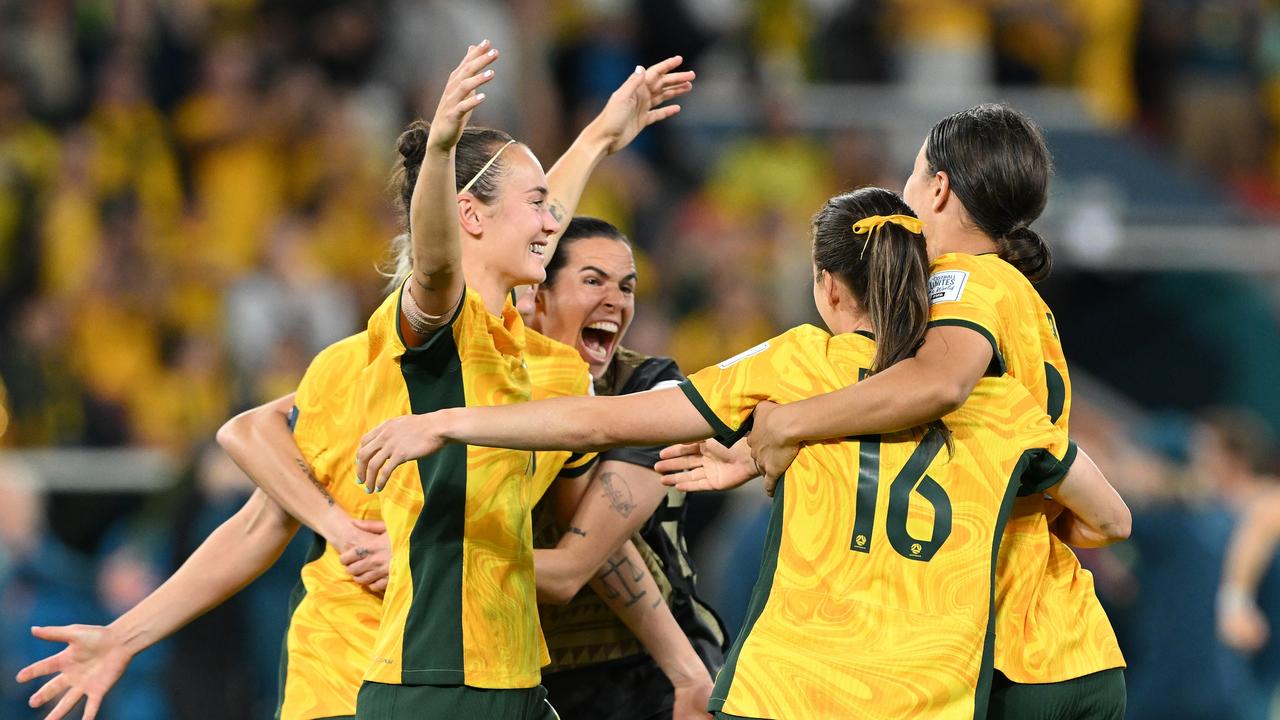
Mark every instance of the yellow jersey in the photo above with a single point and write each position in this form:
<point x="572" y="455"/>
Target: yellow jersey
<point x="1050" y="626"/>
<point x="460" y="605"/>
<point x="876" y="592"/>
<point x="332" y="620"/>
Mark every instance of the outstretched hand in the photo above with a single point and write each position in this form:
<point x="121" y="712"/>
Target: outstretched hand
<point x="635" y="106"/>
<point x="706" y="465"/>
<point x="90" y="664"/>
<point x="392" y="443"/>
<point x="460" y="97"/>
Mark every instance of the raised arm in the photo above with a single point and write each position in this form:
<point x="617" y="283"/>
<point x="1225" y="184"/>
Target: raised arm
<point x="1095" y="515"/>
<point x="912" y="392"/>
<point x="570" y="423"/>
<point x="260" y="442"/>
<point x="631" y="108"/>
<point x="231" y="557"/>
<point x="433" y="208"/>
<point x="1253" y="544"/>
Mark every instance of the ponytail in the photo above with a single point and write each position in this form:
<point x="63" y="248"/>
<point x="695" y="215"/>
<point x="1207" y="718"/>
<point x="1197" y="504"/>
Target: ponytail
<point x="1024" y="249"/>
<point x="999" y="166"/>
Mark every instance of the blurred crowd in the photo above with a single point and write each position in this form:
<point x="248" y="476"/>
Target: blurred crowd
<point x="194" y="201"/>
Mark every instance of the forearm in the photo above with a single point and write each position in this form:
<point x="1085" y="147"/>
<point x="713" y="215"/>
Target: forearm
<point x="433" y="223"/>
<point x="619" y="498"/>
<point x="1252" y="546"/>
<point x="235" y="554"/>
<point x="1075" y="533"/>
<point x="581" y="424"/>
<point x="259" y="441"/>
<point x="568" y="178"/>
<point x="901" y="397"/>
<point x="629" y="589"/>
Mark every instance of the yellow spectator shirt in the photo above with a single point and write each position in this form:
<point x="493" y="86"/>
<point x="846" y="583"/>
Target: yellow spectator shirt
<point x="333" y="621"/>
<point x="1050" y="626"/>
<point x="460" y="605"/>
<point x="875" y="594"/>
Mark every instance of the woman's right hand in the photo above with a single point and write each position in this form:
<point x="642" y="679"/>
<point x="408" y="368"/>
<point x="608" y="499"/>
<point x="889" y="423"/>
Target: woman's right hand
<point x="460" y="97"/>
<point x="90" y="664"/>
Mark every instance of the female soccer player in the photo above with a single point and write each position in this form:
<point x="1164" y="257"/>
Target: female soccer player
<point x="979" y="181"/>
<point x="598" y="668"/>
<point x="325" y="659"/>
<point x="875" y="598"/>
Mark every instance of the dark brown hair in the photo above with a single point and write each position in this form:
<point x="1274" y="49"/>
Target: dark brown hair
<point x="580" y="227"/>
<point x="887" y="270"/>
<point x="999" y="166"/>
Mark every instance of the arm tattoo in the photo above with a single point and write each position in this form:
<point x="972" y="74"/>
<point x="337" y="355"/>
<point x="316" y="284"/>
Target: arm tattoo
<point x="306" y="470"/>
<point x="557" y="211"/>
<point x="577" y="531"/>
<point x="618" y="574"/>
<point x="618" y="493"/>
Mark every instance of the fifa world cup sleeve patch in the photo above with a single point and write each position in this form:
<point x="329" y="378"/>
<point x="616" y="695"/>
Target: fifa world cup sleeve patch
<point x="947" y="286"/>
<point x="744" y="355"/>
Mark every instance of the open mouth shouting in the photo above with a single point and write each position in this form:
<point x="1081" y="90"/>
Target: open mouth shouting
<point x="597" y="340"/>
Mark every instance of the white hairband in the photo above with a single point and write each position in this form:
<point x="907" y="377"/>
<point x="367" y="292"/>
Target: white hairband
<point x="487" y="165"/>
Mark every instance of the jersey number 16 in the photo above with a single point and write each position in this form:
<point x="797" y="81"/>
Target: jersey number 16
<point x="911" y="478"/>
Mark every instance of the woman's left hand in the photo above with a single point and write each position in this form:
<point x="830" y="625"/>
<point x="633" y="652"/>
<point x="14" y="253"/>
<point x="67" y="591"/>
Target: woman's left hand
<point x="634" y="106"/>
<point x="395" y="441"/>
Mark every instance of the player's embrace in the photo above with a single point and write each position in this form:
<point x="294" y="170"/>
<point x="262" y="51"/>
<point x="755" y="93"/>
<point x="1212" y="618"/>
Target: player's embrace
<point x="876" y="592"/>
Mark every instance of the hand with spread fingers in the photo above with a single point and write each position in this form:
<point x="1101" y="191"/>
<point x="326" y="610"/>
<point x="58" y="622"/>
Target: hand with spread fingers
<point x="706" y="465"/>
<point x="393" y="443"/>
<point x="367" y="556"/>
<point x="772" y="452"/>
<point x="460" y="97"/>
<point x="90" y="664"/>
<point x="636" y="105"/>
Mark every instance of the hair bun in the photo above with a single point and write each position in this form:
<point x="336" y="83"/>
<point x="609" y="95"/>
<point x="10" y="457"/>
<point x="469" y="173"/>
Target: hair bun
<point x="1024" y="249"/>
<point x="413" y="143"/>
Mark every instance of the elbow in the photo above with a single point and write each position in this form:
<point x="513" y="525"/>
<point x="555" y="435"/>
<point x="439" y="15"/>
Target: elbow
<point x="1120" y="527"/>
<point x="946" y="396"/>
<point x="558" y="592"/>
<point x="232" y="435"/>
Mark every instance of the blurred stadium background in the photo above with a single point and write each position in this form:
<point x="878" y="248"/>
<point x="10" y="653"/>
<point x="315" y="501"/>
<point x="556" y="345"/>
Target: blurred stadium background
<point x="193" y="200"/>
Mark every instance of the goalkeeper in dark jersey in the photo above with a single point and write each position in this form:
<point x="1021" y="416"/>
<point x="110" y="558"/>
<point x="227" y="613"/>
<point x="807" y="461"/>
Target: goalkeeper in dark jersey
<point x="587" y="302"/>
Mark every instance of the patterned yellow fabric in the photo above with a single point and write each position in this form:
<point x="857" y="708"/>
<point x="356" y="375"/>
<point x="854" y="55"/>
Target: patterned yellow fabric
<point x="556" y="370"/>
<point x="460" y="605"/>
<point x="1049" y="624"/>
<point x="334" y="621"/>
<point x="876" y="592"/>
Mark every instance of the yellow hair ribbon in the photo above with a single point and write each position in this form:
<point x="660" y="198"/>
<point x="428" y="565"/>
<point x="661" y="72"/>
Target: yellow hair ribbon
<point x="869" y="225"/>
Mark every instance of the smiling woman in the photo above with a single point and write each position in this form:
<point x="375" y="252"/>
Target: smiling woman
<point x="588" y="298"/>
<point x="588" y="301"/>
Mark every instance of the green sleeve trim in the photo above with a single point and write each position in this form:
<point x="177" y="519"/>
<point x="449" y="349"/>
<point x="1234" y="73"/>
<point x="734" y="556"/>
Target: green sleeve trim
<point x="997" y="359"/>
<point x="569" y="470"/>
<point x="691" y="392"/>
<point x="1044" y="471"/>
<point x="411" y="352"/>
